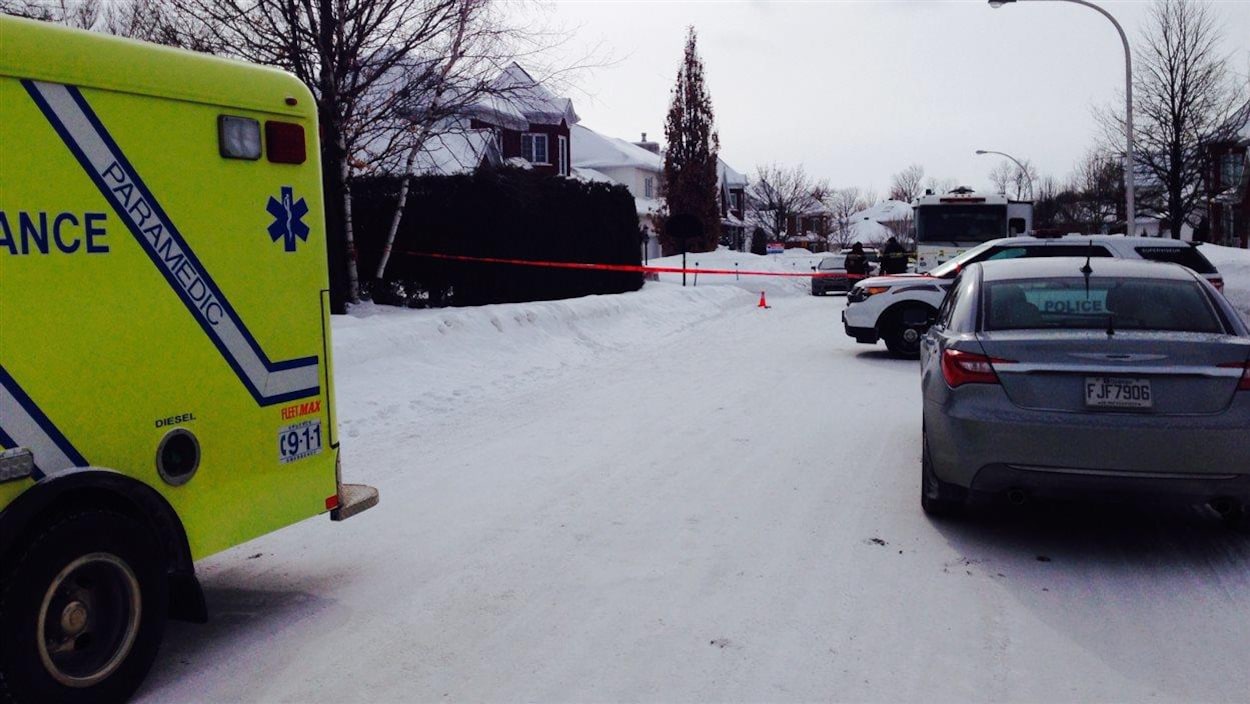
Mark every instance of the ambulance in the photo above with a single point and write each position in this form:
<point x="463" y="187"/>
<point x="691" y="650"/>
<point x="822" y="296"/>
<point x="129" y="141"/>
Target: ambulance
<point x="166" y="389"/>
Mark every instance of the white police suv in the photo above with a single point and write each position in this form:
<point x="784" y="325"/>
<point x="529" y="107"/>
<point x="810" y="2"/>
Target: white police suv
<point x="898" y="309"/>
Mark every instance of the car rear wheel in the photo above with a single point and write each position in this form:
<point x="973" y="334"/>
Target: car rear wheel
<point x="937" y="498"/>
<point x="82" y="612"/>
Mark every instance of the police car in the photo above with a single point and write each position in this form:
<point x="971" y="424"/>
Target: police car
<point x="898" y="309"/>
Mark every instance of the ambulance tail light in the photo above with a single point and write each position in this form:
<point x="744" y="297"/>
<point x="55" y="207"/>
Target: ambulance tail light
<point x="284" y="142"/>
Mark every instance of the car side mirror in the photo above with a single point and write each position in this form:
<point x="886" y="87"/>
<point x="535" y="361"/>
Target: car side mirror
<point x="813" y="268"/>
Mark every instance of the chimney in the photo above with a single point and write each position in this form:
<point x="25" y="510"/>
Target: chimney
<point x="652" y="147"/>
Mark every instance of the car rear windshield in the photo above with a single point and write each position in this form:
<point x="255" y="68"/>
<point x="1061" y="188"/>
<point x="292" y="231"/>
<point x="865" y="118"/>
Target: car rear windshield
<point x="1185" y="256"/>
<point x="1123" y="304"/>
<point x="832" y="263"/>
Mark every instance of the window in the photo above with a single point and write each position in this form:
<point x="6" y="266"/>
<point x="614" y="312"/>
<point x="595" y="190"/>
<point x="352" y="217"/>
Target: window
<point x="951" y="224"/>
<point x="534" y="148"/>
<point x="948" y="305"/>
<point x="1231" y="169"/>
<point x="1077" y="304"/>
<point x="1183" y="255"/>
<point x="564" y="156"/>
<point x="1046" y="250"/>
<point x="648" y="187"/>
<point x="1230" y="222"/>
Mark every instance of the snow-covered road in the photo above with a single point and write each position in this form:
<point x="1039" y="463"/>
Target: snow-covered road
<point x="676" y="496"/>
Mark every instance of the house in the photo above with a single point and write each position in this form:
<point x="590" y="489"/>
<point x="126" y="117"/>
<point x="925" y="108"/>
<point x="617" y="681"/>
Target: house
<point x="733" y="199"/>
<point x="530" y="123"/>
<point x="809" y="228"/>
<point x="1228" y="187"/>
<point x="598" y="157"/>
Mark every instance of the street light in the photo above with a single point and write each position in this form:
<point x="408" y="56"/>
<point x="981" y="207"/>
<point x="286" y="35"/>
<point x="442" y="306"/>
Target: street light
<point x="1130" y="207"/>
<point x="1021" y="166"/>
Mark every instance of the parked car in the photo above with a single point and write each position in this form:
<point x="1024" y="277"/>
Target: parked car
<point x="831" y="272"/>
<point x="1100" y="377"/>
<point x="898" y="309"/>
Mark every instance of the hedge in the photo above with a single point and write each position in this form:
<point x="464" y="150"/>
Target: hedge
<point x="505" y="213"/>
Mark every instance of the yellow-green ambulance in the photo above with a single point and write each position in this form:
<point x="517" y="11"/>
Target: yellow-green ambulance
<point x="165" y="379"/>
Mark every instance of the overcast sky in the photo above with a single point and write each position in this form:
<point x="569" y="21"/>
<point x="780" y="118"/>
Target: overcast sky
<point x="856" y="90"/>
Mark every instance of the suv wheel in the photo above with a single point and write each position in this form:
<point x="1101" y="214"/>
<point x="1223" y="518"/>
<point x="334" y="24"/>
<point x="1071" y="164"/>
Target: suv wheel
<point x="904" y="329"/>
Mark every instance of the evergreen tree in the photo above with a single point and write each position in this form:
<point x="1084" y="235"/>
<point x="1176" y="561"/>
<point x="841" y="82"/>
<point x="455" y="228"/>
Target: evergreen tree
<point x="759" y="241"/>
<point x="690" y="168"/>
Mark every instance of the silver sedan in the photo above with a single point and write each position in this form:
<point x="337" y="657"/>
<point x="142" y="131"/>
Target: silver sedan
<point x="1104" y="378"/>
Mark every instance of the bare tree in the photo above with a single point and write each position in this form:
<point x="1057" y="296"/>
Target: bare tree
<point x="906" y="184"/>
<point x="1184" y="95"/>
<point x="941" y="185"/>
<point x="1002" y="175"/>
<point x="777" y="194"/>
<point x="82" y="14"/>
<point x="844" y="202"/>
<point x="1013" y="181"/>
<point x="1099" y="187"/>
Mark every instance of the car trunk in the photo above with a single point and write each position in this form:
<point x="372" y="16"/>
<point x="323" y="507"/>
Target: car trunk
<point x="1161" y="373"/>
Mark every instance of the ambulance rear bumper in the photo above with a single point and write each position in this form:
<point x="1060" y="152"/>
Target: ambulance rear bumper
<point x="354" y="499"/>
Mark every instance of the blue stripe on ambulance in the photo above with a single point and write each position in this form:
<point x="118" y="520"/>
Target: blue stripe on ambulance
<point x="24" y="425"/>
<point x="78" y="126"/>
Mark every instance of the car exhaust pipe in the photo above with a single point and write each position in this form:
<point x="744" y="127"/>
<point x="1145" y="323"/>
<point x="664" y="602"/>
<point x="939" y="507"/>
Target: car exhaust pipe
<point x="1224" y="506"/>
<point x="1017" y="497"/>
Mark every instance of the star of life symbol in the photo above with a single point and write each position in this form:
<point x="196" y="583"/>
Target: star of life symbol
<point x="288" y="223"/>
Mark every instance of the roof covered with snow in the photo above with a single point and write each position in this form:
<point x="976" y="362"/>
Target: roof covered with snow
<point x="885" y="211"/>
<point x="456" y="153"/>
<point x="589" y="175"/>
<point x="869" y="232"/>
<point x="520" y="99"/>
<point x="592" y="150"/>
<point x="728" y="177"/>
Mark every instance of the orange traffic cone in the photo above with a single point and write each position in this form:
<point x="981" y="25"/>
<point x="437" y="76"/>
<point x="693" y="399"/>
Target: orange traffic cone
<point x="763" y="301"/>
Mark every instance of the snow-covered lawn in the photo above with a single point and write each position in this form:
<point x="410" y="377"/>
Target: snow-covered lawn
<point x="673" y="495"/>
<point x="1234" y="264"/>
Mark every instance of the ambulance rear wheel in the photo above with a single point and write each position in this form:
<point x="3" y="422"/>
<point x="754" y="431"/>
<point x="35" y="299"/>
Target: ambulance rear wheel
<point x="82" y="611"/>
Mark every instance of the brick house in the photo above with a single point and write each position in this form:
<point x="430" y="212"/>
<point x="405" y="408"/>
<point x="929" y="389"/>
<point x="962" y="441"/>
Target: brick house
<point x="531" y="123"/>
<point x="733" y="199"/>
<point x="1228" y="188"/>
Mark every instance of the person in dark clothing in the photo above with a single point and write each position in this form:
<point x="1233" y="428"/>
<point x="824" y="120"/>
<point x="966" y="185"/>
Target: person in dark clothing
<point x="893" y="258"/>
<point x="856" y="263"/>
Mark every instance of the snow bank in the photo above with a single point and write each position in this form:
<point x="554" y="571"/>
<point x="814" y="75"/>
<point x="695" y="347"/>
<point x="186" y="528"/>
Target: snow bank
<point x="1234" y="265"/>
<point x="791" y="262"/>
<point x="436" y="359"/>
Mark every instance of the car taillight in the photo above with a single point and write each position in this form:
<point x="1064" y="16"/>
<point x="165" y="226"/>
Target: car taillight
<point x="959" y="368"/>
<point x="1218" y="283"/>
<point x="1244" y="384"/>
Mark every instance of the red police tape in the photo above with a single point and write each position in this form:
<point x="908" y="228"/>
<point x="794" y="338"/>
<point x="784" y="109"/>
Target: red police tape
<point x="632" y="268"/>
